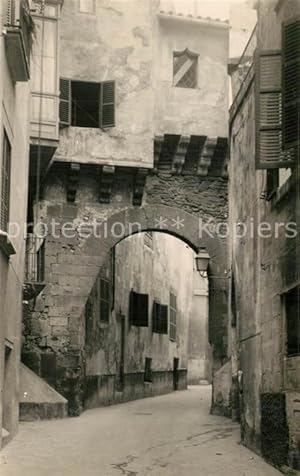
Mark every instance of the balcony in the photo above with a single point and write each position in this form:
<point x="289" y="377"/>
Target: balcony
<point x="34" y="266"/>
<point x="240" y="71"/>
<point x="19" y="29"/>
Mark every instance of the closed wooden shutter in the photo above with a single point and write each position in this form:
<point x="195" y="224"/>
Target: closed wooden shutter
<point x="269" y="153"/>
<point x="10" y="12"/>
<point x="138" y="312"/>
<point x="5" y="183"/>
<point x="107" y="104"/>
<point x="160" y="318"/>
<point x="291" y="83"/>
<point x="65" y="103"/>
<point x="173" y="315"/>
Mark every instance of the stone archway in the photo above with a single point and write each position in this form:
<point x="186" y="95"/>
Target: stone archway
<point x="174" y="204"/>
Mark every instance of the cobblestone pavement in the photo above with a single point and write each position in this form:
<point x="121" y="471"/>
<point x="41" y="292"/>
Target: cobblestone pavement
<point x="170" y="435"/>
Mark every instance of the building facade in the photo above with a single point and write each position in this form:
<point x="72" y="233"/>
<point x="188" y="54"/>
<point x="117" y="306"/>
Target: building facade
<point x="264" y="247"/>
<point x="126" y="134"/>
<point x="15" y="43"/>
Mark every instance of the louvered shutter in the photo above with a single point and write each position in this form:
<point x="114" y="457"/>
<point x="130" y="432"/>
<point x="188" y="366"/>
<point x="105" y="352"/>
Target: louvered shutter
<point x="269" y="153"/>
<point x="163" y="319"/>
<point x="107" y="104"/>
<point x="291" y="83"/>
<point x="65" y="103"/>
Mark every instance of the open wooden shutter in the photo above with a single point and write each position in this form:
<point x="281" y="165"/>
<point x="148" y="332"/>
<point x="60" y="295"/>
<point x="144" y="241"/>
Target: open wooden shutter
<point x="107" y="104"/>
<point x="65" y="103"/>
<point x="291" y="83"/>
<point x="269" y="153"/>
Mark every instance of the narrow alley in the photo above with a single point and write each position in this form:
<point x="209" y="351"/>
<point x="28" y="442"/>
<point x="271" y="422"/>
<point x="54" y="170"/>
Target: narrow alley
<point x="167" y="435"/>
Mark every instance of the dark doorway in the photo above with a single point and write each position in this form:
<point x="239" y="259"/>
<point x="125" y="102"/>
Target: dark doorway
<point x="175" y="373"/>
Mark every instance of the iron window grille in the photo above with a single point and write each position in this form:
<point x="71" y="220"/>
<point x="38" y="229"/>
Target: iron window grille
<point x="34" y="259"/>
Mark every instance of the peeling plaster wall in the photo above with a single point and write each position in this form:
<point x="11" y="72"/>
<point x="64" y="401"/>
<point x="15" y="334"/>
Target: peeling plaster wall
<point x="199" y="111"/>
<point x="116" y="44"/>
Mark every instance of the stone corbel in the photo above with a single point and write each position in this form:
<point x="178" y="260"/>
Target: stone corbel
<point x="180" y="154"/>
<point x="206" y="156"/>
<point x="138" y="186"/>
<point x="106" y="183"/>
<point x="73" y="179"/>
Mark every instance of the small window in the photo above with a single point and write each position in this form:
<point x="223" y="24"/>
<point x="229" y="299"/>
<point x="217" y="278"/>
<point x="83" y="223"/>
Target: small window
<point x="292" y="312"/>
<point x="272" y="182"/>
<point x="173" y="315"/>
<point x="87" y="6"/>
<point x="87" y="104"/>
<point x="138" y="309"/>
<point x="148" y="370"/>
<point x="185" y="69"/>
<point x="160" y="318"/>
<point x="5" y="183"/>
<point x="104" y="293"/>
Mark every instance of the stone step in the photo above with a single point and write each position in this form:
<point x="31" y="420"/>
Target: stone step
<point x="38" y="400"/>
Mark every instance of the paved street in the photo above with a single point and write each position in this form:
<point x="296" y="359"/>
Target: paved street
<point x="171" y="435"/>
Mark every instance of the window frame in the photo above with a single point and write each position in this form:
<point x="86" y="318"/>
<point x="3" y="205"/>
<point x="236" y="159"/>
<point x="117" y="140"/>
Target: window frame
<point x="135" y="318"/>
<point x="190" y="55"/>
<point x="5" y="182"/>
<point x="158" y="324"/>
<point x="101" y="124"/>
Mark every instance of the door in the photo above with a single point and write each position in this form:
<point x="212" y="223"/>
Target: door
<point x="175" y="373"/>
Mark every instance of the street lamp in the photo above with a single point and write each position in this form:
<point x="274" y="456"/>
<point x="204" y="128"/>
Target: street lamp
<point x="202" y="259"/>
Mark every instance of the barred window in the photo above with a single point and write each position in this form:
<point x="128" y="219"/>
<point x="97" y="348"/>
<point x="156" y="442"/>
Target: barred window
<point x="5" y="182"/>
<point x="185" y="69"/>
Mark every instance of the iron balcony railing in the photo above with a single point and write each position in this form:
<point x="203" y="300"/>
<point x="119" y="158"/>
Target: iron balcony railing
<point x="35" y="259"/>
<point x="247" y="58"/>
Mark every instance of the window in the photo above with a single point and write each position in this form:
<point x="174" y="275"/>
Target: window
<point x="268" y="105"/>
<point x="86" y="104"/>
<point x="138" y="309"/>
<point x="104" y="294"/>
<point x="173" y="313"/>
<point x="160" y="318"/>
<point x="5" y="183"/>
<point x="148" y="370"/>
<point x="291" y="84"/>
<point x="185" y="69"/>
<point x="292" y="312"/>
<point x="87" y="6"/>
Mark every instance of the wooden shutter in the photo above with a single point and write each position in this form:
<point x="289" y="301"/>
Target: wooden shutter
<point x="138" y="309"/>
<point x="107" y="104"/>
<point x="173" y="313"/>
<point x="269" y="153"/>
<point x="10" y="12"/>
<point x="65" y="103"/>
<point x="291" y="83"/>
<point x="5" y="183"/>
<point x="160" y="318"/>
